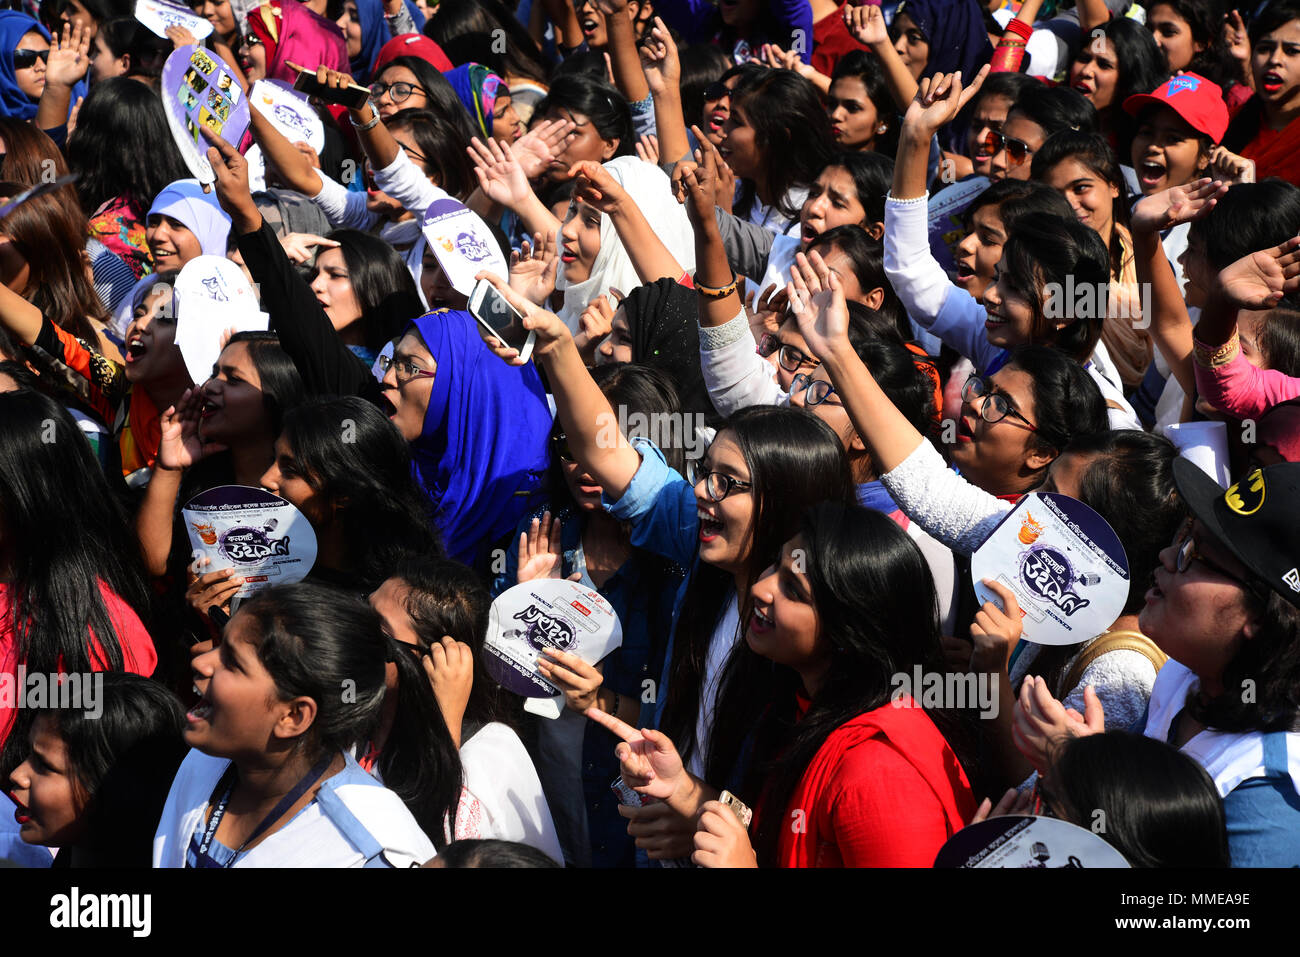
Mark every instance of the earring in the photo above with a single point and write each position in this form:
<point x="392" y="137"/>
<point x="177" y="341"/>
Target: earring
<point x="883" y="127"/>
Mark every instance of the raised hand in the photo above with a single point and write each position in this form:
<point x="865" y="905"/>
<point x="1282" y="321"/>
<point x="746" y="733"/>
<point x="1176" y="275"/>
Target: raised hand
<point x="500" y="175"/>
<point x="817" y="298"/>
<point x="1260" y="280"/>
<point x="659" y="62"/>
<point x="550" y="328"/>
<point x="779" y="59"/>
<point x="767" y="310"/>
<point x="230" y="170"/>
<point x="181" y="445"/>
<point x="697" y="184"/>
<point x="533" y="268"/>
<point x="596" y="186"/>
<point x="939" y="99"/>
<point x="579" y="681"/>
<point x="647" y="148"/>
<point x="1230" y="167"/>
<point x="1237" y="39"/>
<point x="1182" y="204"/>
<point x="180" y="37"/>
<point x="541" y="146"/>
<point x="995" y="631"/>
<point x="1041" y="721"/>
<point x="539" y="550"/>
<point x="449" y="665"/>
<point x="298" y="246"/>
<point x="650" y="762"/>
<point x="69" y="57"/>
<point x="867" y="24"/>
<point x="595" y="323"/>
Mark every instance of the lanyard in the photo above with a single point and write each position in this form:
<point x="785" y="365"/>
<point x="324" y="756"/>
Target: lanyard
<point x="227" y="784"/>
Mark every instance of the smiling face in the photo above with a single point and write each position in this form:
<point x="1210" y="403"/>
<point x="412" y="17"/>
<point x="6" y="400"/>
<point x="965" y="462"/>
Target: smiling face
<point x="50" y="800"/>
<point x="990" y="115"/>
<point x="980" y="252"/>
<point x="1022" y="128"/>
<point x="579" y="242"/>
<point x="410" y="398"/>
<point x="31" y="79"/>
<point x="784" y="626"/>
<point x="832" y="201"/>
<point x="1000" y="457"/>
<point x="726" y="527"/>
<point x="350" y="24"/>
<point x="716" y="111"/>
<point x="1010" y="319"/>
<point x="221" y="16"/>
<point x="151" y="352"/>
<point x="740" y="145"/>
<point x="1167" y="152"/>
<point x="1275" y="63"/>
<point x="234" y="408"/>
<point x="1095" y="72"/>
<point x="1200" y="616"/>
<point x="912" y="46"/>
<point x="334" y="292"/>
<point x="852" y="114"/>
<point x="1090" y="196"/>
<point x="1173" y="35"/>
<point x="831" y="411"/>
<point x="171" y="243"/>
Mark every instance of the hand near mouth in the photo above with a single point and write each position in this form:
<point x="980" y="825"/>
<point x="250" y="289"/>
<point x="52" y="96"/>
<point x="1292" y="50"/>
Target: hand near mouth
<point x="181" y="445"/>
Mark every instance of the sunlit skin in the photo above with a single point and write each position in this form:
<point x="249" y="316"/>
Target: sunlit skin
<point x="387" y="106"/>
<point x="410" y="399"/>
<point x="45" y="787"/>
<point x="171" y="243"/>
<point x="1173" y="35"/>
<point x="990" y="114"/>
<point x="103" y="64"/>
<point x="1167" y="151"/>
<point x="852" y="114"/>
<point x="579" y="242"/>
<point x="234" y="408"/>
<point x="583" y="143"/>
<point x="1089" y="195"/>
<point x="999" y="456"/>
<point x="1095" y="72"/>
<point x="1275" y="63"/>
<point x="726" y="527"/>
<point x="912" y="46"/>
<point x="1022" y="128"/>
<point x="334" y="292"/>
<point x="784" y="626"/>
<point x="980" y="251"/>
<point x="31" y="79"/>
<point x="832" y="201"/>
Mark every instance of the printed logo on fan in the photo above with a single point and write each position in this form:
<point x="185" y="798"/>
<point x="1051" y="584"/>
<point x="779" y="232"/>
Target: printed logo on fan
<point x="472" y="248"/>
<point x="248" y="546"/>
<point x="1047" y="573"/>
<point x="543" y="630"/>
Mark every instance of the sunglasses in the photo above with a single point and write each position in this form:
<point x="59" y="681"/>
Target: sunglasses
<point x="717" y="91"/>
<point x="560" y="442"/>
<point x="1018" y="151"/>
<point x="1188" y="553"/>
<point x="27" y="58"/>
<point x="790" y="358"/>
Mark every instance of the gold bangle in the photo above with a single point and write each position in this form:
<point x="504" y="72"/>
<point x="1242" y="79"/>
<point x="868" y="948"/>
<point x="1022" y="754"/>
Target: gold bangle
<point x="721" y="292"/>
<point x="1211" y="357"/>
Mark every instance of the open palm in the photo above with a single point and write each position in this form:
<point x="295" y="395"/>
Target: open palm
<point x="1181" y="204"/>
<point x="1259" y="280"/>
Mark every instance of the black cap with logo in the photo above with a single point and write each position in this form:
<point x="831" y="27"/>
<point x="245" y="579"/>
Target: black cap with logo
<point x="1258" y="519"/>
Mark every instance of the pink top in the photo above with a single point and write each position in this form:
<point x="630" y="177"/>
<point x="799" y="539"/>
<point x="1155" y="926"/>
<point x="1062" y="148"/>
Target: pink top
<point x="1243" y="391"/>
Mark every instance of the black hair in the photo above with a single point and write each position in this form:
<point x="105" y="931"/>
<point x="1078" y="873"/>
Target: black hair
<point x="864" y="66"/>
<point x="1158" y="806"/>
<point x="1279" y="341"/>
<point x="100" y="10"/>
<point x="1248" y="218"/>
<point x="493" y="853"/>
<point x="877" y="611"/>
<point x="128" y="36"/>
<point x="873" y="174"/>
<point x="466" y="31"/>
<point x="599" y="102"/>
<point x="1205" y="19"/>
<point x="121" y="121"/>
<point x="748" y="74"/>
<point x="314" y="640"/>
<point x="702" y="65"/>
<point x="1067" y="402"/>
<point x="443" y="597"/>
<point x="1053" y="253"/>
<point x="644" y="392"/>
<point x="1056" y="108"/>
<point x="381" y="283"/>
<point x="1094" y="153"/>
<point x="282" y="387"/>
<point x="589" y="63"/>
<point x="1129" y="481"/>
<point x="443" y="144"/>
<point x="122" y="760"/>
<point x="1247" y="122"/>
<point x="353" y="455"/>
<point x="1015" y="198"/>
<point x="1140" y="68"/>
<point x="795" y="460"/>
<point x="895" y="369"/>
<point x="440" y="97"/>
<point x="420" y="761"/>
<point x="868" y="257"/>
<point x="792" y="134"/>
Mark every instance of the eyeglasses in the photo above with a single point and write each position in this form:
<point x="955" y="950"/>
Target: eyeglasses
<point x="27" y="58"/>
<point x="995" y="407"/>
<point x="413" y="154"/>
<point x="1018" y="151"/>
<point x="1188" y="553"/>
<point x="819" y="390"/>
<point x="406" y="370"/>
<point x="717" y="91"/>
<point x="560" y="442"/>
<point x="790" y="358"/>
<point x="397" y="92"/>
<point x="718" y="485"/>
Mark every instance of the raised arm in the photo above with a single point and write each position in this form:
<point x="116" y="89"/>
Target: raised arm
<point x="713" y="273"/>
<point x="294" y="168"/>
<point x="650" y="257"/>
<point x="623" y="56"/>
<point x="502" y="179"/>
<point x="1010" y="52"/>
<point x="937" y="102"/>
<point x="663" y="74"/>
<point x="67" y="65"/>
<point x="867" y="24"/>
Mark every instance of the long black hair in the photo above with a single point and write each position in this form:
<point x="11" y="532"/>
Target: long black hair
<point x="281" y="385"/>
<point x="867" y="255"/>
<point x="353" y="455"/>
<point x="1055" y="108"/>
<point x="122" y="760"/>
<point x="1249" y="217"/>
<point x="1246" y="123"/>
<point x="1159" y="807"/>
<point x="120" y="122"/>
<point x="791" y="133"/>
<point x="313" y="641"/>
<point x="443" y="144"/>
<point x="795" y="460"/>
<point x="1067" y="403"/>
<point x="381" y="283"/>
<point x="440" y="97"/>
<point x="703" y="64"/>
<point x="877" y="609"/>
<point x="603" y="105"/>
<point x="1093" y="152"/>
<point x="1140" y="67"/>
<point x="128" y="36"/>
<point x="466" y="31"/>
<point x="1205" y="19"/>
<point x="873" y="173"/>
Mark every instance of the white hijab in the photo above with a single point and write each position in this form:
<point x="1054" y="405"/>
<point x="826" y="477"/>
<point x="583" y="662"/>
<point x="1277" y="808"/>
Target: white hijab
<point x="649" y="187"/>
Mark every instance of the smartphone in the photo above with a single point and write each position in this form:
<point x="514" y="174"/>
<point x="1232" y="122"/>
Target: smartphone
<point x="352" y="96"/>
<point x="500" y="319"/>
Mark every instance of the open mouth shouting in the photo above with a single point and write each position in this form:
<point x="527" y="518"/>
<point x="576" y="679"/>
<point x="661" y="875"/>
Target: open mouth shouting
<point x="710" y="528"/>
<point x="1271" y="82"/>
<point x="135" y="349"/>
<point x="201" y="712"/>
<point x="1151" y="175"/>
<point x="965" y="272"/>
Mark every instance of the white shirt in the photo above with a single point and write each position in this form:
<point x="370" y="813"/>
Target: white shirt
<point x="724" y="638"/>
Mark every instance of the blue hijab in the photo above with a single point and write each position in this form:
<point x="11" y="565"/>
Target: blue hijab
<point x="374" y="34"/>
<point x="485" y="446"/>
<point x="14" y="103"/>
<point x="955" y="29"/>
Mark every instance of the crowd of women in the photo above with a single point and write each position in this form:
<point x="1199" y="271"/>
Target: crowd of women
<point x="729" y="217"/>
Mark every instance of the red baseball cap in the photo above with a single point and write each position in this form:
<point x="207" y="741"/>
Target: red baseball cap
<point x="412" y="44"/>
<point x="1197" y="100"/>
